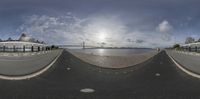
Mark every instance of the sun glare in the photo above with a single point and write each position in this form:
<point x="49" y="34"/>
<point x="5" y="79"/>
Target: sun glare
<point x="102" y="36"/>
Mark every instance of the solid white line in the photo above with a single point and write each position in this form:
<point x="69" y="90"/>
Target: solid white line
<point x="33" y="74"/>
<point x="183" y="69"/>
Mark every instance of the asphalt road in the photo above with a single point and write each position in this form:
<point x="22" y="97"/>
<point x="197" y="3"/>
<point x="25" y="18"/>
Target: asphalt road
<point x="158" y="78"/>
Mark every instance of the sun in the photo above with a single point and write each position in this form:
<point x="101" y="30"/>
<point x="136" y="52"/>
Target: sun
<point x="102" y="36"/>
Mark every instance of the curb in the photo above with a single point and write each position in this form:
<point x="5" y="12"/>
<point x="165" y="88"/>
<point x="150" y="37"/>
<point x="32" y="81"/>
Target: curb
<point x="183" y="69"/>
<point x="33" y="74"/>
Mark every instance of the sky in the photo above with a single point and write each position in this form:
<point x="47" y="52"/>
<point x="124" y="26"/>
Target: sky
<point x="116" y="23"/>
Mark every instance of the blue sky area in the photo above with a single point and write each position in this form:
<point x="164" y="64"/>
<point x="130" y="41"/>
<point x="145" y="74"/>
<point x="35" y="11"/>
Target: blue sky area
<point x="134" y="23"/>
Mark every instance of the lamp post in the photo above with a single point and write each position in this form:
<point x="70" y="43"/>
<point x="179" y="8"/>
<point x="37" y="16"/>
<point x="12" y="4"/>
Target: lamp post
<point x="83" y="45"/>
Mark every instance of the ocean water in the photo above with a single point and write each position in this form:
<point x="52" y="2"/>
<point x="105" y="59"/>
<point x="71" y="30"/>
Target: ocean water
<point x="113" y="52"/>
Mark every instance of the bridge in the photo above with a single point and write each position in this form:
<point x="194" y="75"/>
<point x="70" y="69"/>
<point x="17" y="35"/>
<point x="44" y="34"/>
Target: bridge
<point x="75" y="46"/>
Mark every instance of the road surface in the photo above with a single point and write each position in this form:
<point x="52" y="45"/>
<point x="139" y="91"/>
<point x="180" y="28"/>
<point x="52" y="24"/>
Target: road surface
<point x="158" y="78"/>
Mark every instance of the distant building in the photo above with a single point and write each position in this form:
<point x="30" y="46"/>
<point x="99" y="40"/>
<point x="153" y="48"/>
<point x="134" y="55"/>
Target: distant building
<point x="191" y="46"/>
<point x="23" y="44"/>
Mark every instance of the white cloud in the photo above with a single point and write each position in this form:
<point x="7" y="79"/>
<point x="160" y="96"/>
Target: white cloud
<point x="69" y="29"/>
<point x="62" y="29"/>
<point x="164" y="27"/>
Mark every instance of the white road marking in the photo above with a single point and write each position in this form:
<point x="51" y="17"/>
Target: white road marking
<point x="157" y="74"/>
<point x="87" y="90"/>
<point x="68" y="68"/>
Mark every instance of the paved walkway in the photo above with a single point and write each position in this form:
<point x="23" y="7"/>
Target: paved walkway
<point x="22" y="65"/>
<point x="114" y="61"/>
<point x="21" y="54"/>
<point x="189" y="61"/>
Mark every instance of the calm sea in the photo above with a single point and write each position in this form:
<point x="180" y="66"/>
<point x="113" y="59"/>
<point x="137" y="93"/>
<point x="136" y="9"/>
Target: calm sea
<point x="113" y="52"/>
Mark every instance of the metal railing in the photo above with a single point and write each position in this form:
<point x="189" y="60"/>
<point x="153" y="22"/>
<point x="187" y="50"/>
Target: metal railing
<point x="23" y="49"/>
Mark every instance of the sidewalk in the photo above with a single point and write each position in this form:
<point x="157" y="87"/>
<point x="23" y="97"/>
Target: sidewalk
<point x="114" y="61"/>
<point x="189" y="61"/>
<point x="17" y="66"/>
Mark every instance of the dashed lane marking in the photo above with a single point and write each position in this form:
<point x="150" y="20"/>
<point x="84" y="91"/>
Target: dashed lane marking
<point x="87" y="90"/>
<point x="68" y="68"/>
<point x="157" y="74"/>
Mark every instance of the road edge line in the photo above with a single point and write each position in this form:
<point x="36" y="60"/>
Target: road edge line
<point x="33" y="74"/>
<point x="183" y="69"/>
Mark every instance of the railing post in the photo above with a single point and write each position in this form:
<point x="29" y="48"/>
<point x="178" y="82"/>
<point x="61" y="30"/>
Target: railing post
<point x="38" y="48"/>
<point x="32" y="49"/>
<point x="189" y="49"/>
<point x="24" y="48"/>
<point x="4" y="48"/>
<point x="13" y="48"/>
<point x="195" y="48"/>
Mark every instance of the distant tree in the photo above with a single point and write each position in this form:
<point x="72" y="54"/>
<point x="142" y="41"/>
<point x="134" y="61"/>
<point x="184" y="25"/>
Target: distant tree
<point x="189" y="40"/>
<point x="9" y="39"/>
<point x="1" y="40"/>
<point x="176" y="46"/>
<point x="23" y="35"/>
<point x="198" y="40"/>
<point x="37" y="41"/>
<point x="54" y="47"/>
